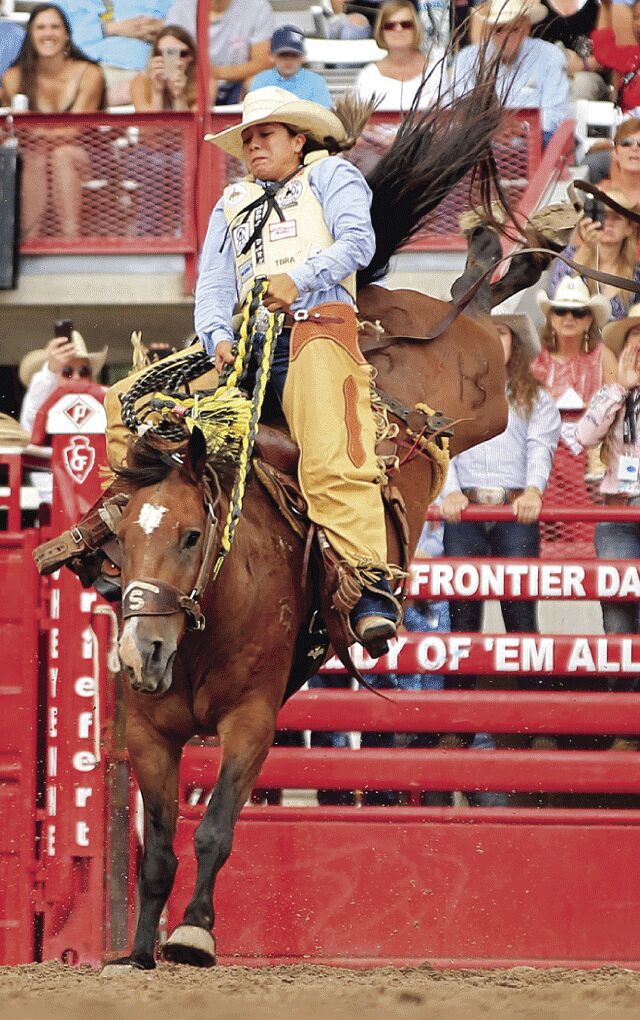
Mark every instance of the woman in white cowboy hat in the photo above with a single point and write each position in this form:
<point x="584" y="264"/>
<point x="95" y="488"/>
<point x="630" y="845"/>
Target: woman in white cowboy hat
<point x="513" y="468"/>
<point x="301" y="218"/>
<point x="609" y="244"/>
<point x="573" y="356"/>
<point x="61" y="362"/>
<point x="613" y="419"/>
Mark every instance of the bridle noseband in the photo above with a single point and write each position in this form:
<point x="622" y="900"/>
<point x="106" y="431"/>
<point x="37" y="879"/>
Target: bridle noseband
<point x="148" y="596"/>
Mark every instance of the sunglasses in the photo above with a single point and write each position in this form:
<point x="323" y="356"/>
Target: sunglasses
<point x="627" y="143"/>
<point x="578" y="313"/>
<point x="173" y="51"/>
<point x="391" y="26"/>
<point x="68" y="372"/>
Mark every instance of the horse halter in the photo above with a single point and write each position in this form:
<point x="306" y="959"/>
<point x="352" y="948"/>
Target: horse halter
<point x="148" y="596"/>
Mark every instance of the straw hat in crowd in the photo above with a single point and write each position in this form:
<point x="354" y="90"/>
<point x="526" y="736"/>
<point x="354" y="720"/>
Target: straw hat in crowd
<point x="615" y="334"/>
<point x="34" y="360"/>
<point x="522" y="327"/>
<point x="572" y="292"/>
<point x="501" y="12"/>
<point x="272" y="104"/>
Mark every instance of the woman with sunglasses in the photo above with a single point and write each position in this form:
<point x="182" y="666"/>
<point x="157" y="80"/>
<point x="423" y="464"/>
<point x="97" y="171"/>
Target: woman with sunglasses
<point x="572" y="364"/>
<point x="169" y="82"/>
<point x="65" y="361"/>
<point x="610" y="244"/>
<point x="396" y="78"/>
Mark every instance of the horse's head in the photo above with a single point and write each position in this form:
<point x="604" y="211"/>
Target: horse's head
<point x="168" y="536"/>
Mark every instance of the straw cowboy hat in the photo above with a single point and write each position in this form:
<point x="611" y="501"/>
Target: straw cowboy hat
<point x="615" y="334"/>
<point x="34" y="360"/>
<point x="501" y="12"/>
<point x="274" y="105"/>
<point x="572" y="292"/>
<point x="521" y="325"/>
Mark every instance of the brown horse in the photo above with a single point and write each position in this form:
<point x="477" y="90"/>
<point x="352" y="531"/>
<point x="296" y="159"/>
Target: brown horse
<point x="230" y="678"/>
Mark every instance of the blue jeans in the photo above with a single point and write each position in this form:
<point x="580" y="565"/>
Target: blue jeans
<point x="504" y="539"/>
<point x="618" y="541"/>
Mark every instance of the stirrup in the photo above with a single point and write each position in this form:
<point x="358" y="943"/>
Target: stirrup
<point x="374" y="633"/>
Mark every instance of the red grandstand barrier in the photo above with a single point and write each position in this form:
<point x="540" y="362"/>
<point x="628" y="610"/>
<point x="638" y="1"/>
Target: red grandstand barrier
<point x="134" y="174"/>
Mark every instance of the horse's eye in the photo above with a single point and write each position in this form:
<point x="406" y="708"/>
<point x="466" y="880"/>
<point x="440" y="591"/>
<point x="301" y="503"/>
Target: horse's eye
<point x="190" y="539"/>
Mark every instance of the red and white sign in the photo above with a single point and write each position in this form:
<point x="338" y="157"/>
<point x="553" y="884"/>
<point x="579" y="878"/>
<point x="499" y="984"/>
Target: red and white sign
<point x="78" y="458"/>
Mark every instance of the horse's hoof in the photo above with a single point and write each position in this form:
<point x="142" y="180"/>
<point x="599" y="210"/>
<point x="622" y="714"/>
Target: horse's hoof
<point x="192" y="945"/>
<point x="126" y="965"/>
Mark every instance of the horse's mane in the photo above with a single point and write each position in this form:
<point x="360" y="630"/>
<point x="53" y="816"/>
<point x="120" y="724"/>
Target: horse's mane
<point x="149" y="460"/>
<point x="433" y="150"/>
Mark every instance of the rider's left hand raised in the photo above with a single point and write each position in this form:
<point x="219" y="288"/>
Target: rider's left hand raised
<point x="281" y="294"/>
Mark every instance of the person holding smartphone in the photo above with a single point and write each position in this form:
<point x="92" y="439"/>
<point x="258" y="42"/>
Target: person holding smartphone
<point x="63" y="361"/>
<point x="607" y="241"/>
<point x="169" y="81"/>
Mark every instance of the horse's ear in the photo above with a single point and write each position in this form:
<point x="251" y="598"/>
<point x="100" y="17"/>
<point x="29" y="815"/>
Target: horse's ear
<point x="196" y="454"/>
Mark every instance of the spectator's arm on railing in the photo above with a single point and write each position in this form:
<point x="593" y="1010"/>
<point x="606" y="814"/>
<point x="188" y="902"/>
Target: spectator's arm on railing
<point x="542" y="439"/>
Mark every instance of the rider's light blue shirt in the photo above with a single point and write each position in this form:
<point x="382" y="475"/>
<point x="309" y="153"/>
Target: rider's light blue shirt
<point x="345" y="198"/>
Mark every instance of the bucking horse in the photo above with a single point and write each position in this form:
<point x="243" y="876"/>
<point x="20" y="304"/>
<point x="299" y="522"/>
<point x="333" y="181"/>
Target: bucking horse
<point x="265" y="610"/>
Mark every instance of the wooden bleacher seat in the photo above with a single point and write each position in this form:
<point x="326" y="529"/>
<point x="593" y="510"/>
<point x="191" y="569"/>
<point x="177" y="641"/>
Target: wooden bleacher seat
<point x="339" y="60"/>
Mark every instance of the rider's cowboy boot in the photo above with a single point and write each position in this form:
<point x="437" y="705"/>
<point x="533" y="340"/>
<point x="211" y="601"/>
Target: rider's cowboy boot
<point x="374" y="618"/>
<point x="83" y="548"/>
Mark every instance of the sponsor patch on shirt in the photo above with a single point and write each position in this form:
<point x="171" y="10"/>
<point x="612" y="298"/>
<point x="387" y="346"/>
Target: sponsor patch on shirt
<point x="245" y="270"/>
<point x="240" y="235"/>
<point x="282" y="231"/>
<point x="235" y="193"/>
<point x="290" y="194"/>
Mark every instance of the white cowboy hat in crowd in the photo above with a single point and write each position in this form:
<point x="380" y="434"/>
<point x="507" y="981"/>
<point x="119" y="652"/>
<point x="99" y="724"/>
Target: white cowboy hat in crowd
<point x="34" y="360"/>
<point x="615" y="334"/>
<point x="521" y="325"/>
<point x="572" y="292"/>
<point x="501" y="12"/>
<point x="274" y="105"/>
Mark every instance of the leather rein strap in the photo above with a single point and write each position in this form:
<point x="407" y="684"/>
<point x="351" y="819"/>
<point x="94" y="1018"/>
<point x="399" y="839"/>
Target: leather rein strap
<point x="459" y="306"/>
<point x="147" y="596"/>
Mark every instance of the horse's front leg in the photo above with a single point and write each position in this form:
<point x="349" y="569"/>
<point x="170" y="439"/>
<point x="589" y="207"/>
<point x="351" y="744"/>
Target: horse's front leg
<point x="155" y="762"/>
<point x="246" y="734"/>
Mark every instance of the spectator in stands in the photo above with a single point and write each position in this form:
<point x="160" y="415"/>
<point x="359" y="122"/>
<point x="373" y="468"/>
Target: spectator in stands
<point x="569" y="26"/>
<point x="613" y="420"/>
<point x="573" y="364"/>
<point x="118" y="34"/>
<point x="532" y="72"/>
<point x="56" y="77"/>
<point x="624" y="60"/>
<point x="609" y="244"/>
<point x="169" y="82"/>
<point x="288" y="55"/>
<point x="513" y="468"/>
<point x="11" y="39"/>
<point x="61" y="363"/>
<point x="625" y="160"/>
<point x="573" y="356"/>
<point x="239" y="38"/>
<point x="397" y="77"/>
<point x="343" y="25"/>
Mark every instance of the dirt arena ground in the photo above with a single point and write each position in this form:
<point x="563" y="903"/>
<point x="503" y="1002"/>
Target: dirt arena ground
<point x="53" y="992"/>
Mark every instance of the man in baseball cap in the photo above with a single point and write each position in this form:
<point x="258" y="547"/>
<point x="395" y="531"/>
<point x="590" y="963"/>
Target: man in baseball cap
<point x="288" y="56"/>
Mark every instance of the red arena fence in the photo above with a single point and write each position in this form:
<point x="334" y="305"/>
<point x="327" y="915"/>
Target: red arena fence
<point x="405" y="884"/>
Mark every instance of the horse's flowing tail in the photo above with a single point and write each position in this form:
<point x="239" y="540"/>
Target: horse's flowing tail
<point x="433" y="150"/>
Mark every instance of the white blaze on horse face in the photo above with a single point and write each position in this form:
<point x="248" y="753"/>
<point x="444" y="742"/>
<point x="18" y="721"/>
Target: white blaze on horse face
<point x="150" y="517"/>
